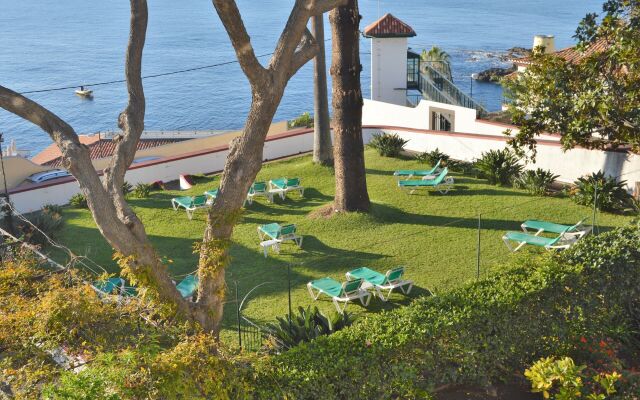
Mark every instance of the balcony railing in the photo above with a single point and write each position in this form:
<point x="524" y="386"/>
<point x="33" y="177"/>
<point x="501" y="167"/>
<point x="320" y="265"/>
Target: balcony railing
<point x="436" y="87"/>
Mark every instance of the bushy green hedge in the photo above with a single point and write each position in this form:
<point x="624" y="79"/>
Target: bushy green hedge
<point x="484" y="333"/>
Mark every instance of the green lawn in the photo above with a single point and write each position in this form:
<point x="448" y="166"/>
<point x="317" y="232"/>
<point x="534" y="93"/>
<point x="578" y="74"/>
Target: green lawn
<point x="435" y="236"/>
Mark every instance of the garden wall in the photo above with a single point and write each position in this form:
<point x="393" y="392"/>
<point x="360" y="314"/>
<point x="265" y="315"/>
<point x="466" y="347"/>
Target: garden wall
<point x="473" y="137"/>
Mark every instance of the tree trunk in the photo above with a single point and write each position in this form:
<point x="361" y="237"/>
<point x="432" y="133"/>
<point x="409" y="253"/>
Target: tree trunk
<point x="322" y="151"/>
<point x="243" y="164"/>
<point x="348" y="150"/>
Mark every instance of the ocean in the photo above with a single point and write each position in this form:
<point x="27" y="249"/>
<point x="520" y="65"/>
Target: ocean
<point x="47" y="44"/>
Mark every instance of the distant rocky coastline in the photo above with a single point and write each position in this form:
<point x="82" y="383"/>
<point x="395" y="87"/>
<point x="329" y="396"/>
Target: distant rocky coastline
<point x="494" y="74"/>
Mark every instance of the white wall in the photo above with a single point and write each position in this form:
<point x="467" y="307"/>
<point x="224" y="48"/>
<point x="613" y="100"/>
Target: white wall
<point x="157" y="170"/>
<point x="389" y="70"/>
<point x="409" y="123"/>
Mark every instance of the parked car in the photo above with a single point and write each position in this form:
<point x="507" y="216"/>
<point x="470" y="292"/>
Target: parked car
<point x="48" y="175"/>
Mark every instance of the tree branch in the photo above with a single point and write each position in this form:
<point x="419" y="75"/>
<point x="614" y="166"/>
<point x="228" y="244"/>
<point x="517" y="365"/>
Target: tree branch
<point x="306" y="51"/>
<point x="232" y="20"/>
<point x="75" y="156"/>
<point x="131" y="120"/>
<point x="293" y="34"/>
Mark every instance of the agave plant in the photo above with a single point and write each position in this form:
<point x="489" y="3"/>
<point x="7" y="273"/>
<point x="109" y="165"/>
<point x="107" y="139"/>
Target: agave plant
<point x="609" y="193"/>
<point x="432" y="157"/>
<point x="387" y="144"/>
<point x="499" y="167"/>
<point x="141" y="190"/>
<point x="78" y="200"/>
<point x="126" y="187"/>
<point x="41" y="226"/>
<point x="537" y="182"/>
<point x="308" y="324"/>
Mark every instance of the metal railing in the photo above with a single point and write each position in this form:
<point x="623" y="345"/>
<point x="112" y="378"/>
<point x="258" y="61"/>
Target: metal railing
<point x="436" y="87"/>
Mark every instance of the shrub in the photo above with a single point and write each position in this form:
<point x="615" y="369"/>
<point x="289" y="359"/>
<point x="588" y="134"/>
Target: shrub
<point x="464" y="167"/>
<point x="432" y="157"/>
<point x="499" y="166"/>
<point x="537" y="182"/>
<point x="387" y="144"/>
<point x="477" y="334"/>
<point x="52" y="209"/>
<point x="563" y="380"/>
<point x="78" y="200"/>
<point x="41" y="225"/>
<point x="307" y="325"/>
<point x="141" y="190"/>
<point x="305" y="120"/>
<point x="611" y="193"/>
<point x="126" y="188"/>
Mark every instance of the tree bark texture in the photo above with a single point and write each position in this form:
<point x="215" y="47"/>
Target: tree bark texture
<point x="348" y="150"/>
<point x="322" y="148"/>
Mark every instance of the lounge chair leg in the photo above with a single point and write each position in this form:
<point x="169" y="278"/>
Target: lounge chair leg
<point x="410" y="284"/>
<point x="340" y="310"/>
<point x="310" y="289"/>
<point x="366" y="302"/>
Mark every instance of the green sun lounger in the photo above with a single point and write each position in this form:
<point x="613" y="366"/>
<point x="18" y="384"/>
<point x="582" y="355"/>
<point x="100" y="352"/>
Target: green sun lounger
<point x="113" y="286"/>
<point x="211" y="194"/>
<point x="259" y="189"/>
<point x="339" y="292"/>
<point x="579" y="230"/>
<point x="562" y="241"/>
<point x="380" y="282"/>
<point x="190" y="203"/>
<point x="442" y="183"/>
<point x="410" y="173"/>
<point x="282" y="186"/>
<point x="188" y="286"/>
<point x="279" y="233"/>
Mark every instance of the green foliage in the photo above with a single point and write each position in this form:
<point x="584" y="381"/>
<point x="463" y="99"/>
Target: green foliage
<point x="537" y="182"/>
<point x="78" y="200"/>
<point x="562" y="379"/>
<point x="387" y="144"/>
<point x="307" y="325"/>
<point x="52" y="209"/>
<point x="142" y="190"/>
<point x="499" y="167"/>
<point x="599" y="94"/>
<point x="126" y="188"/>
<point x="438" y="59"/>
<point x="432" y="157"/>
<point x="305" y="120"/>
<point x="474" y="335"/>
<point x="47" y="222"/>
<point x="194" y="368"/>
<point x="609" y="193"/>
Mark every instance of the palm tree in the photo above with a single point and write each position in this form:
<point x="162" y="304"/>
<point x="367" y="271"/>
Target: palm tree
<point x="439" y="60"/>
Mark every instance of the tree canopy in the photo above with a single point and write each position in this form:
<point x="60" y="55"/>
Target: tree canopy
<point x="592" y="100"/>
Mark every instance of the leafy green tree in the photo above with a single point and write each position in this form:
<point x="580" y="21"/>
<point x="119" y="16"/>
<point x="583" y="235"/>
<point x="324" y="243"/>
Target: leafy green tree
<point x="438" y="59"/>
<point x="592" y="102"/>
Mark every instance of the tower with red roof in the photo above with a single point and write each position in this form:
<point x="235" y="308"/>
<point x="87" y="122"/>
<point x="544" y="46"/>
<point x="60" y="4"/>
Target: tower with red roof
<point x="389" y="37"/>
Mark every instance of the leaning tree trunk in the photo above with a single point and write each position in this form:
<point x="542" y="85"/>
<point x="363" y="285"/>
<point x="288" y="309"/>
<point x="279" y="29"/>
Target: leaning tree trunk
<point x="322" y="151"/>
<point x="348" y="150"/>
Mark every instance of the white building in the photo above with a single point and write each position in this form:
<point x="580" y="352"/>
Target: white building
<point x="389" y="59"/>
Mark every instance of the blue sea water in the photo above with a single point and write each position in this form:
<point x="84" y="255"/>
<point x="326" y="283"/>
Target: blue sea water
<point x="46" y="44"/>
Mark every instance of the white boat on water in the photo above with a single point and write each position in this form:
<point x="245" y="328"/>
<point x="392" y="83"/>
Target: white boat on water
<point x="84" y="92"/>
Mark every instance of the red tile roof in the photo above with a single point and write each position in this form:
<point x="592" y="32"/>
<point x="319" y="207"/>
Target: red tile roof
<point x="98" y="148"/>
<point x="570" y="54"/>
<point x="52" y="151"/>
<point x="389" y="26"/>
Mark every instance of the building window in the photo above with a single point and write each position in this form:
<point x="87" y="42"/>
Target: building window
<point x="440" y="122"/>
